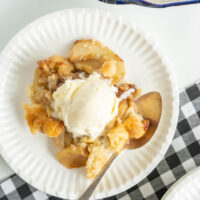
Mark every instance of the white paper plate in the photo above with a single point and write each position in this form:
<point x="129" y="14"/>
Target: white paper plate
<point x="33" y="157"/>
<point x="187" y="188"/>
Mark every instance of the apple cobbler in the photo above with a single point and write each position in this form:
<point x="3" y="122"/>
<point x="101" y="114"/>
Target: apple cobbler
<point x="83" y="103"/>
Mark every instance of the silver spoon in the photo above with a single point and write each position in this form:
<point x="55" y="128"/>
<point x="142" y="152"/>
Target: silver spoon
<point x="150" y="107"/>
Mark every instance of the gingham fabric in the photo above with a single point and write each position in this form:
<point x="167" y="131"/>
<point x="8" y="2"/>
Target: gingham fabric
<point x="182" y="156"/>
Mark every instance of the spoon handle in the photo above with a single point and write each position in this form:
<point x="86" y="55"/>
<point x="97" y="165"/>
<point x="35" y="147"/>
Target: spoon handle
<point x="88" y="192"/>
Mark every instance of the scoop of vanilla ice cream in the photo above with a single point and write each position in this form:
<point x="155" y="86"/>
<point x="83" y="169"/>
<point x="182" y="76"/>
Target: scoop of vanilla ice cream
<point x="86" y="105"/>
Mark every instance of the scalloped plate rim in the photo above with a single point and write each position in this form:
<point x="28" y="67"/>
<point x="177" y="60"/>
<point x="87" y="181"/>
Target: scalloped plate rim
<point x="175" y="104"/>
<point x="177" y="185"/>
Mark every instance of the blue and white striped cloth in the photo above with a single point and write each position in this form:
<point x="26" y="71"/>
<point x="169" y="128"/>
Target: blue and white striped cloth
<point x="153" y="3"/>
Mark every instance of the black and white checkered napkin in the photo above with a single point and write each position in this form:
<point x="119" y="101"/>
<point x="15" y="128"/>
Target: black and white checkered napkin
<point x="182" y="156"/>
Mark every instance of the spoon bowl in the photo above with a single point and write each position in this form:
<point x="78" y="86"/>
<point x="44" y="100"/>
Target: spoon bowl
<point x="150" y="107"/>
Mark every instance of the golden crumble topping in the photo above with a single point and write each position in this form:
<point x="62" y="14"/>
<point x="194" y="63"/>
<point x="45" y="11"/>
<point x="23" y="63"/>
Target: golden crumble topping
<point x="37" y="119"/>
<point x="85" y="57"/>
<point x="98" y="157"/>
<point x="118" y="137"/>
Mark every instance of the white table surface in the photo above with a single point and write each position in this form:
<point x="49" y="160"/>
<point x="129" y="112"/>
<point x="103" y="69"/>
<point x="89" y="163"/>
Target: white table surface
<point x="176" y="30"/>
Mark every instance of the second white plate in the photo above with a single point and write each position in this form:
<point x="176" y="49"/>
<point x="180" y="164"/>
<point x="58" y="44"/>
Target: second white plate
<point x="187" y="188"/>
<point x="32" y="157"/>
